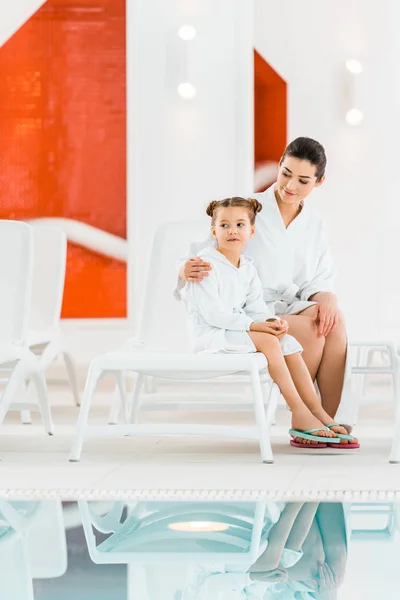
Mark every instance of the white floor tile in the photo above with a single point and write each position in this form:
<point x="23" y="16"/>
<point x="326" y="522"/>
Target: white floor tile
<point x="31" y="459"/>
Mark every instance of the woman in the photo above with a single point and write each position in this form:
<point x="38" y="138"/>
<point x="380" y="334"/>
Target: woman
<point x="304" y="557"/>
<point x="291" y="253"/>
<point x="318" y="534"/>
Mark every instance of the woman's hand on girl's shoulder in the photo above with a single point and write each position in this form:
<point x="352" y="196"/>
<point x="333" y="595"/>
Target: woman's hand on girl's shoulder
<point x="195" y="269"/>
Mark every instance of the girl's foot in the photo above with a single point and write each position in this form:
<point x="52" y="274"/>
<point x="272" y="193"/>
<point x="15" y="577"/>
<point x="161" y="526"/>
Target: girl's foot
<point x="303" y="420"/>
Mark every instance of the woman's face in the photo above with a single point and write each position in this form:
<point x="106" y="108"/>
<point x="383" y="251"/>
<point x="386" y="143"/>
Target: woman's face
<point x="296" y="180"/>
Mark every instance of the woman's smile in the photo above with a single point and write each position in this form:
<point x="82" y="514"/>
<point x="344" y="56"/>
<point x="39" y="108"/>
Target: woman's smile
<point x="291" y="194"/>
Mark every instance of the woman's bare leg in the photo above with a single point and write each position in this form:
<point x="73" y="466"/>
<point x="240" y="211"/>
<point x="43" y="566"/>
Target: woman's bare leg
<point x="304" y="385"/>
<point x="330" y="376"/>
<point x="302" y="417"/>
<point x="330" y="373"/>
<point x="304" y="329"/>
<point x="331" y="359"/>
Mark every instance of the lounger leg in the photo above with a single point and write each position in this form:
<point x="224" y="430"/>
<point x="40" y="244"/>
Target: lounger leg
<point x="115" y="408"/>
<point x="135" y="407"/>
<point x="14" y="386"/>
<point x="395" y="450"/>
<point x="150" y="384"/>
<point x="360" y="379"/>
<point x="91" y="383"/>
<point x="72" y="378"/>
<point x="119" y="399"/>
<point x="26" y="415"/>
<point x="39" y="380"/>
<point x="261" y="419"/>
<point x="271" y="395"/>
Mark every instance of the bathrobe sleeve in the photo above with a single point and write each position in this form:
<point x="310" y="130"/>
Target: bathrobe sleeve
<point x="255" y="306"/>
<point x="323" y="278"/>
<point x="194" y="248"/>
<point x="204" y="297"/>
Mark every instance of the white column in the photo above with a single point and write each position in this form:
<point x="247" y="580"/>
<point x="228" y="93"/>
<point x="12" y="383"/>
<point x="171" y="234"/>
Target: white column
<point x="182" y="154"/>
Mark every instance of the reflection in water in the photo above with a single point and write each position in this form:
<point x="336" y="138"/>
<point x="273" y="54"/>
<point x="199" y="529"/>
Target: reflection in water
<point x="191" y="550"/>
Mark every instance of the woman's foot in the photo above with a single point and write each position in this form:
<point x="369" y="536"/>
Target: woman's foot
<point x="348" y="428"/>
<point x="304" y="420"/>
<point x="323" y="416"/>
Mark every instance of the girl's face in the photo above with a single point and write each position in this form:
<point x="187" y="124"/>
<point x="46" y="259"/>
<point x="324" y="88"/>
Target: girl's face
<point x="232" y="228"/>
<point x="296" y="180"/>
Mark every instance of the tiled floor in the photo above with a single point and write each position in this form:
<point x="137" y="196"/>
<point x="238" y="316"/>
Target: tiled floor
<point x="33" y="460"/>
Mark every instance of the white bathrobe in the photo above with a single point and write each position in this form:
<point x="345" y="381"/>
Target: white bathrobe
<point x="222" y="307"/>
<point x="293" y="263"/>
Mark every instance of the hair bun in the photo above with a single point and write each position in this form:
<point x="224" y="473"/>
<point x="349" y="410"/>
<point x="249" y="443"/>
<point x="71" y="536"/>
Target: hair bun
<point x="211" y="207"/>
<point x="257" y="206"/>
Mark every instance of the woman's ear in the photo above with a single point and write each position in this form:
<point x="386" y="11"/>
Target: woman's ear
<point x="320" y="182"/>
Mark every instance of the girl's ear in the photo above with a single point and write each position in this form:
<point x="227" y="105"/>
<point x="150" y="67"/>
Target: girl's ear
<point x="252" y="230"/>
<point x="213" y="231"/>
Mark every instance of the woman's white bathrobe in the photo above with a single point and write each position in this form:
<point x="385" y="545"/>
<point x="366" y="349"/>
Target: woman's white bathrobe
<point x="293" y="264"/>
<point x="222" y="307"/>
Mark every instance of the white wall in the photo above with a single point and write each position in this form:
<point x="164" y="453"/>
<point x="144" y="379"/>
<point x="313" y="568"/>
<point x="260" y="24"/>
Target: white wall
<point x="308" y="42"/>
<point x="182" y="154"/>
<point x="14" y="14"/>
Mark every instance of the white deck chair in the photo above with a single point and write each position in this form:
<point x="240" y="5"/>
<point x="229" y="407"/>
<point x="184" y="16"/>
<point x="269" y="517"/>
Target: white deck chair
<point x="15" y="572"/>
<point x="374" y="522"/>
<point x="46" y="542"/>
<point x="361" y="351"/>
<point x="166" y="355"/>
<point x="17" y="363"/>
<point x="390" y="365"/>
<point x="150" y="539"/>
<point x="45" y="336"/>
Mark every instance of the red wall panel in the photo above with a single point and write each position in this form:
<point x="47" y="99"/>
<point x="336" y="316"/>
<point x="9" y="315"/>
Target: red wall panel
<point x="63" y="137"/>
<point x="270" y="112"/>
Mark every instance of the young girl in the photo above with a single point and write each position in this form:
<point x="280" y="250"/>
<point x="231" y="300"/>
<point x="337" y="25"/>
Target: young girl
<point x="227" y="313"/>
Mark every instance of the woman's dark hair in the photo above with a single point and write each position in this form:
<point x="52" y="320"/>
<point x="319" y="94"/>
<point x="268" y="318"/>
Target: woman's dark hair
<point x="305" y="148"/>
<point x="252" y="206"/>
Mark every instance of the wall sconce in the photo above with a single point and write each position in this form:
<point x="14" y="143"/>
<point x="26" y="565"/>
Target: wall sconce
<point x="354" y="114"/>
<point x="186" y="90"/>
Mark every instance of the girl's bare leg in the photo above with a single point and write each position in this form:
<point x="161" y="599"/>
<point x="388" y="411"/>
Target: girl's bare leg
<point x="302" y="417"/>
<point x="302" y="526"/>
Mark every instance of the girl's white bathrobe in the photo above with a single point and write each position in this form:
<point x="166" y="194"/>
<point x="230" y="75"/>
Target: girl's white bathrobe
<point x="222" y="307"/>
<point x="293" y="263"/>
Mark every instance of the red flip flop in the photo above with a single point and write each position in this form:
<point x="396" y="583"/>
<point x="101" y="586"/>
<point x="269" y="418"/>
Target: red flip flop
<point x="344" y="446"/>
<point x="311" y="446"/>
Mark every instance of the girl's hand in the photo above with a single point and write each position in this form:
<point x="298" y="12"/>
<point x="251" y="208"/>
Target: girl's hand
<point x="326" y="313"/>
<point x="281" y="326"/>
<point x="195" y="269"/>
<point x="276" y="575"/>
<point x="277" y="328"/>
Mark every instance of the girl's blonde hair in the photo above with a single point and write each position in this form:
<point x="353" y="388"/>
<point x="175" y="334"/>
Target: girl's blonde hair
<point x="252" y="206"/>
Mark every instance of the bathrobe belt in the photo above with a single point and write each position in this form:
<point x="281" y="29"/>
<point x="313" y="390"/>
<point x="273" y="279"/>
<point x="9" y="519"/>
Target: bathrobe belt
<point x="286" y="296"/>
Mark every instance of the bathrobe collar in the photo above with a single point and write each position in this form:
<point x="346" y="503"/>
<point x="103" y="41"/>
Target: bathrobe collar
<point x="268" y="197"/>
<point x="213" y="253"/>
